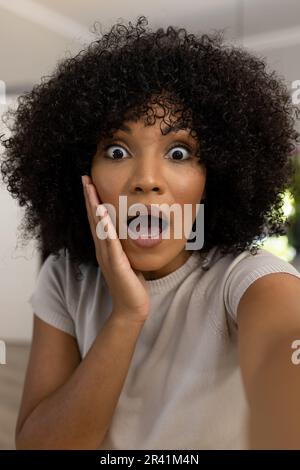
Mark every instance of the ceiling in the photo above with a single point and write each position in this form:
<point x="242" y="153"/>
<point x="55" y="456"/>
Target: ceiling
<point x="35" y="34"/>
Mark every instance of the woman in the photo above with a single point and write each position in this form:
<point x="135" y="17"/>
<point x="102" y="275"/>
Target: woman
<point x="157" y="346"/>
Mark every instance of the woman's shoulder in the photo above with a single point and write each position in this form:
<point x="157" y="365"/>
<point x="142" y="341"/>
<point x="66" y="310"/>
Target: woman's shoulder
<point x="245" y="268"/>
<point x="263" y="261"/>
<point x="50" y="299"/>
<point x="59" y="286"/>
<point x="68" y="268"/>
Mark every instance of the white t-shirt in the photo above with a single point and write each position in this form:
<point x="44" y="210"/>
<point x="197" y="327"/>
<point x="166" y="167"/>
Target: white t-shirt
<point x="183" y="389"/>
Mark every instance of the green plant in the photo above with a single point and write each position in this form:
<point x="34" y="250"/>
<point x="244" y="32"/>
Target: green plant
<point x="294" y="231"/>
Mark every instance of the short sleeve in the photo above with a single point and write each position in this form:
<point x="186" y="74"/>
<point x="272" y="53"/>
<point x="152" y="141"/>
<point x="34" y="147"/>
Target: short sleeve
<point x="48" y="299"/>
<point x="246" y="271"/>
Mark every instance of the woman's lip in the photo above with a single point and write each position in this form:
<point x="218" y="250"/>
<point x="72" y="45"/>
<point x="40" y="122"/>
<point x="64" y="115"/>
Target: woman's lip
<point x="154" y="211"/>
<point x="147" y="242"/>
<point x="155" y="225"/>
<point x="157" y="222"/>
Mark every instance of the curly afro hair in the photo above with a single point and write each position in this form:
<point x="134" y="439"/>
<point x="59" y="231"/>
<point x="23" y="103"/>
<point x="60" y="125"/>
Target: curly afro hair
<point x="241" y="115"/>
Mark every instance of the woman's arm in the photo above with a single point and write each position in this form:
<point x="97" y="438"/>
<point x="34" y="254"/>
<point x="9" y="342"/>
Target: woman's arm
<point x="68" y="403"/>
<point x="269" y="322"/>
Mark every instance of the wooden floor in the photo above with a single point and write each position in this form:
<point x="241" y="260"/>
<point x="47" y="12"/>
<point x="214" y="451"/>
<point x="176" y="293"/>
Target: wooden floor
<point x="12" y="376"/>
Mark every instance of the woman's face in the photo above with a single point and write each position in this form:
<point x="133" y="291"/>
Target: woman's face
<point x="141" y="164"/>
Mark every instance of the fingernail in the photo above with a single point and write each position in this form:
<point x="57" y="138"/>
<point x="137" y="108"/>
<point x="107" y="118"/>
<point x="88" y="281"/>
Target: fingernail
<point x="101" y="210"/>
<point x="85" y="181"/>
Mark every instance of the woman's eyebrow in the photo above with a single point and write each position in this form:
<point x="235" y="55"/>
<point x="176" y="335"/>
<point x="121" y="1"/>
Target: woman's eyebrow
<point x="125" y="128"/>
<point x="166" y="130"/>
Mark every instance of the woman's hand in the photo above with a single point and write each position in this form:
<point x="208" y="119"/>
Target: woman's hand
<point x="127" y="286"/>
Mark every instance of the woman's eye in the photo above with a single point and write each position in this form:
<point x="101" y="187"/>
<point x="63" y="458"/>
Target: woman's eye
<point x="177" y="153"/>
<point x="116" y="154"/>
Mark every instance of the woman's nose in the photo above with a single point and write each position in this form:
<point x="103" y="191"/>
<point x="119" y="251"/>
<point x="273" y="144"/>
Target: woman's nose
<point x="146" y="187"/>
<point x="146" y="184"/>
<point x="147" y="176"/>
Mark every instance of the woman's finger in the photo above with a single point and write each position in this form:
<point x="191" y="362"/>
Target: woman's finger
<point x="88" y="209"/>
<point x="101" y="253"/>
<point x="104" y="225"/>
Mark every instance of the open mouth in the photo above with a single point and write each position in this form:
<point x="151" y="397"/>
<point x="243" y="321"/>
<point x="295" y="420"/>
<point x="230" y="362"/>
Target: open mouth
<point x="148" y="224"/>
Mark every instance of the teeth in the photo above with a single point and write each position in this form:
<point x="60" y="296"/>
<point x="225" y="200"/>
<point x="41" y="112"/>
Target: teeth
<point x="148" y="226"/>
